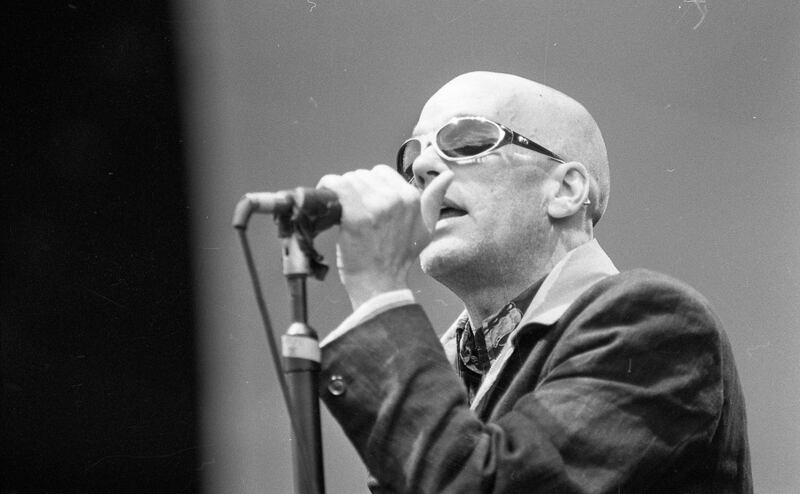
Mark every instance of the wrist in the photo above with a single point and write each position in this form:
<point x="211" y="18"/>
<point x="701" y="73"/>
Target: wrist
<point x="362" y="288"/>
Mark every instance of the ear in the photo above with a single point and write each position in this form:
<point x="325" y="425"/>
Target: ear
<point x="573" y="190"/>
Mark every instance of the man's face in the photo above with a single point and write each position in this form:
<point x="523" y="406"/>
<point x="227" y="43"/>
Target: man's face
<point x="493" y="219"/>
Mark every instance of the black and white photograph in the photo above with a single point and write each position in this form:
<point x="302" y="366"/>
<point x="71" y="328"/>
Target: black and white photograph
<point x="436" y="246"/>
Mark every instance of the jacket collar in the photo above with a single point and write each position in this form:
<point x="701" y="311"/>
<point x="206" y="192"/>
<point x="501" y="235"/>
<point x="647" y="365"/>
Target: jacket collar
<point x="581" y="268"/>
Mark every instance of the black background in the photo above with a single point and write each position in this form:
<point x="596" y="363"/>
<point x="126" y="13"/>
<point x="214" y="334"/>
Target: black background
<point x="97" y="328"/>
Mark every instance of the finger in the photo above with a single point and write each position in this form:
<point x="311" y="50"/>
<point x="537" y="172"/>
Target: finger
<point x="432" y="197"/>
<point x="396" y="183"/>
<point x="374" y="192"/>
<point x="389" y="174"/>
<point x="330" y="181"/>
<point x="348" y="189"/>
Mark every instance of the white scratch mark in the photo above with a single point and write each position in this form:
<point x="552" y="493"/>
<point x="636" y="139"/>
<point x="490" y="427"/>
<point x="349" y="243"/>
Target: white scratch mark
<point x="313" y="4"/>
<point x="547" y="42"/>
<point x="107" y="299"/>
<point x="138" y="457"/>
<point x="680" y="7"/>
<point x="758" y="347"/>
<point x="702" y="7"/>
<point x="465" y="12"/>
<point x="313" y="101"/>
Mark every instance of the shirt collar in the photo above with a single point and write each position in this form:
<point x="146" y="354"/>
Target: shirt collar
<point x="581" y="268"/>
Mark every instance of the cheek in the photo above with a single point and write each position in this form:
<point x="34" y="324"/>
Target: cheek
<point x="506" y="193"/>
<point x="512" y="227"/>
<point x="518" y="205"/>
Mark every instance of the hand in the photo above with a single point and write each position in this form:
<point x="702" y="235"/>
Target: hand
<point x="383" y="228"/>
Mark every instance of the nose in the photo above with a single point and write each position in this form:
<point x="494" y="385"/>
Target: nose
<point x="427" y="166"/>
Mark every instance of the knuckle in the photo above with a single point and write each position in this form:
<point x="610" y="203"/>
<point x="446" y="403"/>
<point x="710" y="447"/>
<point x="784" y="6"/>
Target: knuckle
<point x="389" y="174"/>
<point x="383" y="169"/>
<point x="409" y="195"/>
<point x="330" y="180"/>
<point x="349" y="176"/>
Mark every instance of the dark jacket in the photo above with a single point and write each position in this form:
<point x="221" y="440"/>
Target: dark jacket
<point x="630" y="387"/>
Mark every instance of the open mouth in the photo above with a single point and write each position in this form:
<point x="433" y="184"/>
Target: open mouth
<point x="450" y="212"/>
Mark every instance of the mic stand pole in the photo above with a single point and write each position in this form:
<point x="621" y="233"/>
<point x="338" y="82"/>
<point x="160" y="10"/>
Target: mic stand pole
<point x="301" y="357"/>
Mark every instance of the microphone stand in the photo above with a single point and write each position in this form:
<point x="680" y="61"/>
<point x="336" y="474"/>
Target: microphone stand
<point x="298" y="221"/>
<point x="301" y="357"/>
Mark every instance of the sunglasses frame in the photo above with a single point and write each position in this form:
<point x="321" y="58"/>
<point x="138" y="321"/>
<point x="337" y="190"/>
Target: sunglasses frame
<point x="508" y="137"/>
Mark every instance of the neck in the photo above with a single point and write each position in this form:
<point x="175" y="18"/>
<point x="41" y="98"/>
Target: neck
<point x="481" y="304"/>
<point x="484" y="293"/>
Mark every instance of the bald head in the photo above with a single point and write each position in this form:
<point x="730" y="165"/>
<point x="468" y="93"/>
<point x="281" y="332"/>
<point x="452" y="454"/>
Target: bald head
<point x="539" y="112"/>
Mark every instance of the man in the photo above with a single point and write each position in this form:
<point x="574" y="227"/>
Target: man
<point x="562" y="375"/>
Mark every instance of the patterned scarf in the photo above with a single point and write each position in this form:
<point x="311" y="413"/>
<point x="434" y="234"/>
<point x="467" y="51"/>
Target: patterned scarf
<point x="478" y="348"/>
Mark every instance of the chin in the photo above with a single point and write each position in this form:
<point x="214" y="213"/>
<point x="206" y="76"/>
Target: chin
<point x="430" y="264"/>
<point x="442" y="259"/>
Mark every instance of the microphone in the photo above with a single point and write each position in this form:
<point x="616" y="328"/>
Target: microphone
<point x="318" y="207"/>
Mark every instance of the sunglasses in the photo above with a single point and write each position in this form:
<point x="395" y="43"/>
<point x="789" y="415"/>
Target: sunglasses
<point x="463" y="139"/>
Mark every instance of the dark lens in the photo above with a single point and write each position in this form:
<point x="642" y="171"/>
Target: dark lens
<point x="467" y="137"/>
<point x="405" y="158"/>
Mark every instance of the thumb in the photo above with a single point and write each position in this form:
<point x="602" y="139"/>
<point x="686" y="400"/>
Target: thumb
<point x="432" y="197"/>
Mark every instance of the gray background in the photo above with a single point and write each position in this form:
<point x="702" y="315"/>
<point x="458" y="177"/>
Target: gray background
<point x="699" y="113"/>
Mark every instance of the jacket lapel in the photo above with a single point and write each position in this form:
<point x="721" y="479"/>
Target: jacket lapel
<point x="574" y="274"/>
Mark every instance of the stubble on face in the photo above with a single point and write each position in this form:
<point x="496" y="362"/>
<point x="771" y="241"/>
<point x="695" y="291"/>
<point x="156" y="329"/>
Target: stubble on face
<point x="491" y="249"/>
<point x="505" y="224"/>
